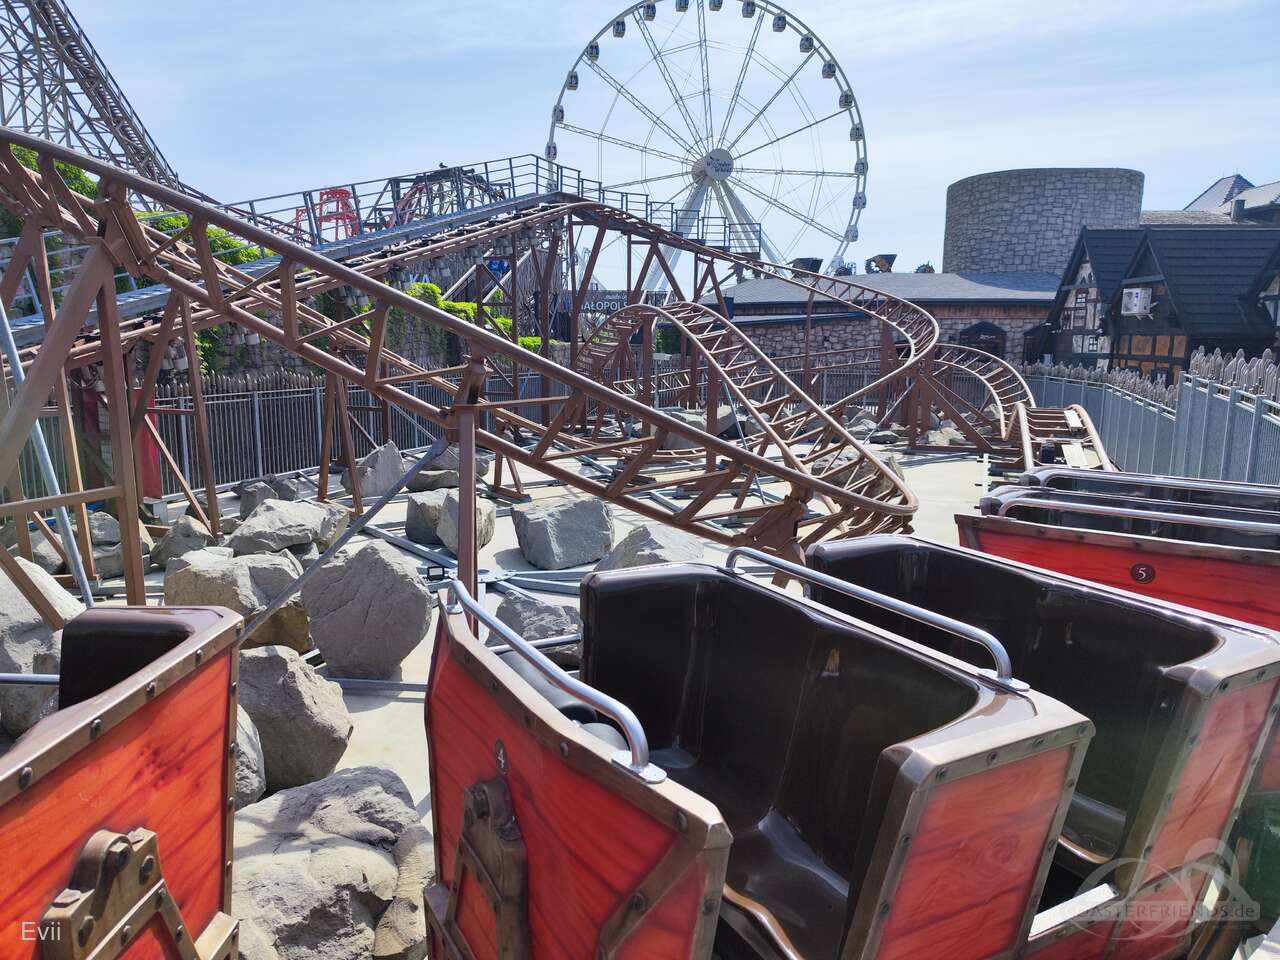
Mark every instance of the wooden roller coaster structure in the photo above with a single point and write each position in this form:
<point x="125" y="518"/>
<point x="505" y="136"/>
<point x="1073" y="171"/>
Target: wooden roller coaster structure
<point x="792" y="476"/>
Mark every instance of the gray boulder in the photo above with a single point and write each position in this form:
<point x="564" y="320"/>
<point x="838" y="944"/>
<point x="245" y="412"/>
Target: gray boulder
<point x="253" y="495"/>
<point x="422" y="516"/>
<point x="535" y="619"/>
<point x="28" y="645"/>
<point x="45" y="556"/>
<point x="431" y="518"/>
<point x="447" y="528"/>
<point x="884" y="436"/>
<point x="943" y="437"/>
<point x="284" y="488"/>
<point x="401" y="933"/>
<point x="193" y="556"/>
<point x="104" y="535"/>
<point x="244" y="584"/>
<point x="186" y="534"/>
<point x="652" y="543"/>
<point x="378" y="472"/>
<point x="725" y="420"/>
<point x="368" y="610"/>
<point x="449" y="461"/>
<point x="250" y="784"/>
<point x="104" y="529"/>
<point x="302" y="722"/>
<point x="319" y="866"/>
<point x="565" y="532"/>
<point x="431" y="479"/>
<point x="278" y="525"/>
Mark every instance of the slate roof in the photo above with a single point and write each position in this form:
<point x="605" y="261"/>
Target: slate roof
<point x="1183" y="217"/>
<point x="1109" y="253"/>
<point x="1210" y="273"/>
<point x="1219" y="192"/>
<point x="921" y="288"/>
<point x="1264" y="195"/>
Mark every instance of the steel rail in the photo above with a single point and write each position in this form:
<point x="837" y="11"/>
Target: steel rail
<point x="1037" y="478"/>
<point x="930" y="618"/>
<point x="1127" y="513"/>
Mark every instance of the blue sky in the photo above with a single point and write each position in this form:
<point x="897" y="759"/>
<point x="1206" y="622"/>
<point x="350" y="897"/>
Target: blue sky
<point x="251" y="98"/>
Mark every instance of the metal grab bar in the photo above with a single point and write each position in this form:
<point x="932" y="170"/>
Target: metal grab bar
<point x="29" y="679"/>
<point x="1188" y="519"/>
<point x="1040" y="478"/>
<point x="1004" y="667"/>
<point x="636" y="758"/>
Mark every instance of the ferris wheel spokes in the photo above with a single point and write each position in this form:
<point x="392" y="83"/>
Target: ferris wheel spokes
<point x="619" y="142"/>
<point x="632" y="99"/>
<point x="676" y="96"/>
<point x="768" y="103"/>
<point x="785" y="208"/>
<point x="742" y="75"/>
<point x="752" y="84"/>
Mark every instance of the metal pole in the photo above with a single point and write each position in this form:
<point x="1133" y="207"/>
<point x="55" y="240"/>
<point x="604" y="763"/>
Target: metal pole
<point x="467" y="549"/>
<point x="46" y="467"/>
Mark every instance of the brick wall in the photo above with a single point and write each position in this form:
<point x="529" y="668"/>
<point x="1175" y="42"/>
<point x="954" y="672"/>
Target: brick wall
<point x="1030" y="219"/>
<point x="784" y="339"/>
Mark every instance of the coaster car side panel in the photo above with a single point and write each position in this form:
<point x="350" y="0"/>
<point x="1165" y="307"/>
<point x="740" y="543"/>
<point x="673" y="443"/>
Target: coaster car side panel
<point x="855" y="771"/>
<point x="152" y="751"/>
<point x="616" y="867"/>
<point x="1229" y="581"/>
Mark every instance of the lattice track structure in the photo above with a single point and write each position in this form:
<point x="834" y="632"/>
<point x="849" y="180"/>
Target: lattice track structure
<point x="1039" y="436"/>
<point x="581" y="422"/>
<point x="721" y="363"/>
<point x="53" y="84"/>
<point x="936" y="387"/>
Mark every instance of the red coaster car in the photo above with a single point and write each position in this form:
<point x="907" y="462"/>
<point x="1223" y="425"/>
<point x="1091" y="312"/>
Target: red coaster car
<point x="740" y="770"/>
<point x="1183" y="708"/>
<point x="1213" y="546"/>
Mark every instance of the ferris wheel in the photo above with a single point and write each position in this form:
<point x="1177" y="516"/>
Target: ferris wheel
<point x="733" y="112"/>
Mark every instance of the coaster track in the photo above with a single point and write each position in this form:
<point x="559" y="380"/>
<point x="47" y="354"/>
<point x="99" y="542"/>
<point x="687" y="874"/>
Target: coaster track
<point x="206" y="292"/>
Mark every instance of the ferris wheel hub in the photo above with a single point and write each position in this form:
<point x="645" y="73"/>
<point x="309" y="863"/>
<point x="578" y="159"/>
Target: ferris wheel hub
<point x="716" y="165"/>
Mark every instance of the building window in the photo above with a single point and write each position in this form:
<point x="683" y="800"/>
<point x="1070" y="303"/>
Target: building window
<point x="985" y="336"/>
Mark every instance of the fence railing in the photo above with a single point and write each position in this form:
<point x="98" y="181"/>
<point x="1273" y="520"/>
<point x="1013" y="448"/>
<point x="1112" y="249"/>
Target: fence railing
<point x="1217" y="432"/>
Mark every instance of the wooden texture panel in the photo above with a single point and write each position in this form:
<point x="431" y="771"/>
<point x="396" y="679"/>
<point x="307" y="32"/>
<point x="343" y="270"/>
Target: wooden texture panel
<point x="1212" y="778"/>
<point x="1239" y="590"/>
<point x="973" y="861"/>
<point x="588" y="848"/>
<point x="1087" y="943"/>
<point x="666" y="932"/>
<point x="1156" y="919"/>
<point x="164" y="768"/>
<point x="1269" y="778"/>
